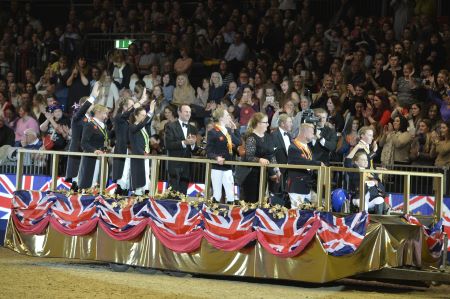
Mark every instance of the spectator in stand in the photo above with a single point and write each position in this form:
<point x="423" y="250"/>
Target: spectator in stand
<point x="335" y="117"/>
<point x="78" y="81"/>
<point x="146" y="59"/>
<point x="442" y="145"/>
<point x="434" y="116"/>
<point x="183" y="93"/>
<point x="422" y="145"/>
<point x="14" y="95"/>
<point x="406" y="86"/>
<point x="380" y="113"/>
<point x="227" y="77"/>
<point x="39" y="107"/>
<point x="246" y="107"/>
<point x="4" y="103"/>
<point x="236" y="53"/>
<point x="24" y="122"/>
<point x="120" y="70"/>
<point x="396" y="142"/>
<point x="167" y="87"/>
<point x="152" y="79"/>
<point x="6" y="134"/>
<point x="55" y="130"/>
<point x="183" y="64"/>
<point x="217" y="89"/>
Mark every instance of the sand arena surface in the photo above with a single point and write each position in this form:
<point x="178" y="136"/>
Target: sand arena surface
<point x="30" y="277"/>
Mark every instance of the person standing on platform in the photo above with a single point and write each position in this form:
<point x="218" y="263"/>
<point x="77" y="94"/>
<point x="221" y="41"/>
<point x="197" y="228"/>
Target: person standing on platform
<point x="79" y="119"/>
<point x="300" y="180"/>
<point x="139" y="134"/>
<point x="281" y="139"/>
<point x="95" y="139"/>
<point x="366" y="144"/>
<point x="180" y="140"/>
<point x="222" y="138"/>
<point x="121" y="166"/>
<point x="324" y="141"/>
<point x="259" y="149"/>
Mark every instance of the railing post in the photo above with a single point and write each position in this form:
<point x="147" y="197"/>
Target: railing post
<point x="438" y="197"/>
<point x="103" y="173"/>
<point x="19" y="170"/>
<point x="262" y="185"/>
<point x="154" y="176"/>
<point x="362" y="193"/>
<point x="206" y="190"/>
<point x="55" y="166"/>
<point x="406" y="190"/>
<point x="327" y="189"/>
<point x="320" y="184"/>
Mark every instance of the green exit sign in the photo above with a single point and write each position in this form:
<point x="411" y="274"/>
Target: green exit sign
<point x="123" y="43"/>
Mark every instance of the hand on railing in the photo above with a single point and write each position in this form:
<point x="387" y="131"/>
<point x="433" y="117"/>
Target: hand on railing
<point x="263" y="161"/>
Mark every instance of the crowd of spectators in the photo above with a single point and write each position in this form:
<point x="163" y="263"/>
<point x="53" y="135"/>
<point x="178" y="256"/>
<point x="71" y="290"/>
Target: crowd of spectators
<point x="390" y="73"/>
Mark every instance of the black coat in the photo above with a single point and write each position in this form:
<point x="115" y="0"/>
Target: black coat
<point x="322" y="152"/>
<point x="77" y="124"/>
<point x="173" y="138"/>
<point x="92" y="140"/>
<point x="7" y="136"/>
<point x="137" y="145"/>
<point x="299" y="180"/>
<point x="122" y="142"/>
<point x="126" y="73"/>
<point x="281" y="150"/>
<point x="217" y="146"/>
<point x="281" y="156"/>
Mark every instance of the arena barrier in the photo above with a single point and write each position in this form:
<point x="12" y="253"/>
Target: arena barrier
<point x="305" y="245"/>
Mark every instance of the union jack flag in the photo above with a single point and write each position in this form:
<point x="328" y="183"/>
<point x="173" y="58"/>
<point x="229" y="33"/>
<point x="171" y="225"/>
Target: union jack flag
<point x="434" y="234"/>
<point x="417" y="203"/>
<point x="232" y="225"/>
<point x="120" y="219"/>
<point x="342" y="235"/>
<point x="287" y="236"/>
<point x="74" y="211"/>
<point x="177" y="218"/>
<point x="31" y="207"/>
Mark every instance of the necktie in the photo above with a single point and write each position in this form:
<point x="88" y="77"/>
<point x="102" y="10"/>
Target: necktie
<point x="286" y="134"/>
<point x="185" y="125"/>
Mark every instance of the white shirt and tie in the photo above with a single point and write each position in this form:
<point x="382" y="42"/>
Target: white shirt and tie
<point x="286" y="139"/>
<point x="184" y="127"/>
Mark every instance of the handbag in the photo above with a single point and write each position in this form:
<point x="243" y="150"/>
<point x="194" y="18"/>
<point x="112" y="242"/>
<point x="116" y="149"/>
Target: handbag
<point x="48" y="142"/>
<point x="241" y="173"/>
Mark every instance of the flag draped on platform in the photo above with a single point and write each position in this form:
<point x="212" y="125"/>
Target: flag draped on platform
<point x="181" y="226"/>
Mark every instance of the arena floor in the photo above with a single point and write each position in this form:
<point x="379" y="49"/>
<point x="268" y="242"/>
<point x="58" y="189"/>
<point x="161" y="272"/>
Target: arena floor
<point x="29" y="277"/>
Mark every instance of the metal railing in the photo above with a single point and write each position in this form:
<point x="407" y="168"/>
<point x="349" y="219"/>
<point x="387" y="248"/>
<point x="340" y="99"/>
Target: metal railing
<point x="323" y="188"/>
<point x="438" y="187"/>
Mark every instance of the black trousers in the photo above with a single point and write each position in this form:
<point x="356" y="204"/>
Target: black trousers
<point x="178" y="184"/>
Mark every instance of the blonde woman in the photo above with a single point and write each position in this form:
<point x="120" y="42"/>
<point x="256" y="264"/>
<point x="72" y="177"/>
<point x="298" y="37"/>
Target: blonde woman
<point x="222" y="138"/>
<point x="108" y="92"/>
<point x="95" y="140"/>
<point x="183" y="93"/>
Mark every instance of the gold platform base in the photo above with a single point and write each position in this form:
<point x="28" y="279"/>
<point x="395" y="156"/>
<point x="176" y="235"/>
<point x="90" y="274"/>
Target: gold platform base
<point x="389" y="242"/>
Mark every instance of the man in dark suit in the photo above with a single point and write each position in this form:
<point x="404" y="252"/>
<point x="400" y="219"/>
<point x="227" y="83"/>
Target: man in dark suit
<point x="79" y="119"/>
<point x="281" y="139"/>
<point x="325" y="140"/>
<point x="181" y="138"/>
<point x="300" y="180"/>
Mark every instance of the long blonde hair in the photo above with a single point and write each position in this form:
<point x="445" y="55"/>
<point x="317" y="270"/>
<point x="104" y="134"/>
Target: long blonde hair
<point x="183" y="94"/>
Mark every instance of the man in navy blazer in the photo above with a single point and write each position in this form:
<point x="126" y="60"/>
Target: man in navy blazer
<point x="180" y="140"/>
